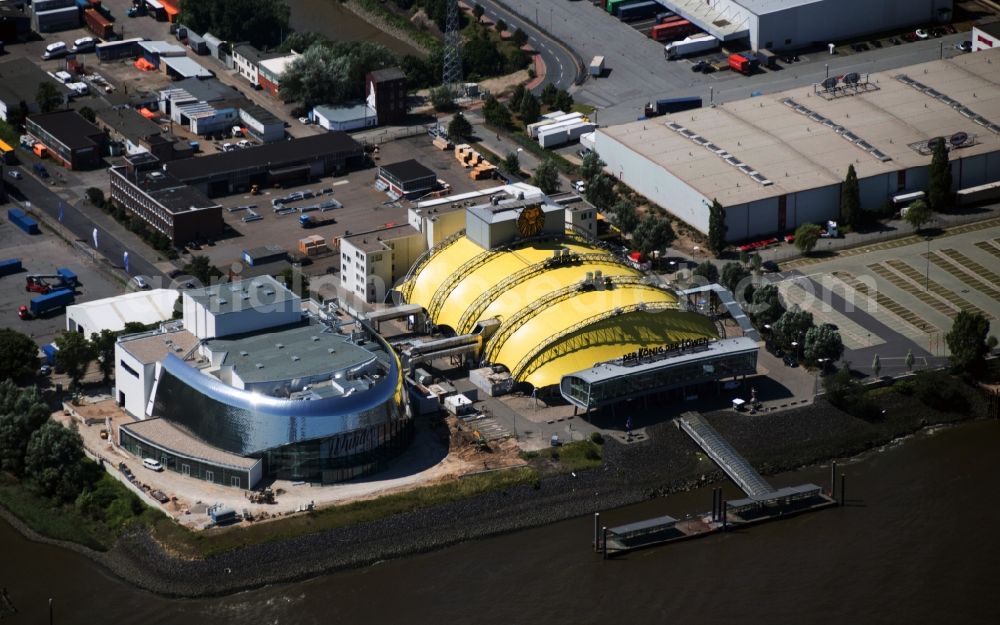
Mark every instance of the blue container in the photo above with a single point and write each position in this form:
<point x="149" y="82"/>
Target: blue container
<point x="22" y="221"/>
<point x="9" y="266"/>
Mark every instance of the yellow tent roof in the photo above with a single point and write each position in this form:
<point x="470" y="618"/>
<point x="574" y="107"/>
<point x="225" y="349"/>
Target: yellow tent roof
<point x="549" y="325"/>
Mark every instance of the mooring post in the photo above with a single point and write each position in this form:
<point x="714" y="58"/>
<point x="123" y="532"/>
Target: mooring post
<point x="597" y="531"/>
<point x="604" y="543"/>
<point x="833" y="479"/>
<point x="843" y="478"/>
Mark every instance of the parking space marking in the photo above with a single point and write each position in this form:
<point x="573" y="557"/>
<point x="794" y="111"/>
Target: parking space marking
<point x="987" y="247"/>
<point x="886" y="302"/>
<point x="853" y="334"/>
<point x="918" y="292"/>
<point x="934" y="287"/>
<point x="954" y="261"/>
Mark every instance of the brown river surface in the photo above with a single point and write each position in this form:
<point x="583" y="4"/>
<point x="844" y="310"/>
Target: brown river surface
<point x="916" y="544"/>
<point x="333" y="20"/>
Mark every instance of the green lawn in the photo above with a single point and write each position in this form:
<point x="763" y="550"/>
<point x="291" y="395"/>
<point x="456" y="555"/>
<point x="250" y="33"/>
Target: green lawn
<point x="575" y="456"/>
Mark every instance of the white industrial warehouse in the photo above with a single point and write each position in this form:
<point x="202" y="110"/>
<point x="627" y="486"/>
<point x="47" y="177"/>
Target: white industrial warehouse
<point x="790" y="24"/>
<point x="777" y="161"/>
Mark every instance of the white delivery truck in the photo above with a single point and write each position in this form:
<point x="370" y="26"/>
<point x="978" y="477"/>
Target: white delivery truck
<point x="690" y="45"/>
<point x="597" y="66"/>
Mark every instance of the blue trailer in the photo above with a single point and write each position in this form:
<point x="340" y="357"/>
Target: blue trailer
<point x="50" y="301"/>
<point x="9" y="266"/>
<point x="49" y="351"/>
<point x="638" y="10"/>
<point x="20" y="219"/>
<point x="68" y="278"/>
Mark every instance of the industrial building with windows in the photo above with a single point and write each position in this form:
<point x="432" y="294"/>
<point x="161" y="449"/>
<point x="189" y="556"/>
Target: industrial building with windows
<point x="69" y="138"/>
<point x="779" y="160"/>
<point x="254" y="384"/>
<point x="792" y="24"/>
<point x="561" y="312"/>
<point x="169" y="206"/>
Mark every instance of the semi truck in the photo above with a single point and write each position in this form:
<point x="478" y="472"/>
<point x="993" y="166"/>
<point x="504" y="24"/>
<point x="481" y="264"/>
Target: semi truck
<point x="669" y="31"/>
<point x="315" y="221"/>
<point x="690" y="45"/>
<point x="672" y="105"/>
<point x="98" y="24"/>
<point x="742" y="64"/>
<point x="43" y="304"/>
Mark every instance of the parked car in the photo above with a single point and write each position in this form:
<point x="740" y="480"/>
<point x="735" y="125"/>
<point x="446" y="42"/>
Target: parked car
<point x="15" y="174"/>
<point x="697" y="67"/>
<point x="894" y="41"/>
<point x="151" y="464"/>
<point x="40" y="170"/>
<point x="790" y="361"/>
<point x="55" y="50"/>
<point x="921" y="33"/>
<point x="305" y="120"/>
<point x="84" y="44"/>
<point x="964" y="46"/>
<point x="140" y="283"/>
<point x="769" y="266"/>
<point x="875" y="43"/>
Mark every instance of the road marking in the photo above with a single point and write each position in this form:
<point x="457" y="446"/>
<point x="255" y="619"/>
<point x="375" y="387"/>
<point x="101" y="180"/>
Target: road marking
<point x="340" y="182"/>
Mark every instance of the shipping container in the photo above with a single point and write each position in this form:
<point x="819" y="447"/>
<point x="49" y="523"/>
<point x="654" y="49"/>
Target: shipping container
<point x="68" y="277"/>
<point x="563" y="134"/>
<point x="20" y="219"/>
<point x="9" y="266"/>
<point x="662" y="17"/>
<point x="767" y="58"/>
<point x="670" y="31"/>
<point x="51" y="301"/>
<point x="56" y="20"/>
<point x="155" y="8"/>
<point x="597" y="66"/>
<point x="116" y="50"/>
<point x="533" y="128"/>
<point x="98" y="24"/>
<point x="637" y="10"/>
<point x="613" y="5"/>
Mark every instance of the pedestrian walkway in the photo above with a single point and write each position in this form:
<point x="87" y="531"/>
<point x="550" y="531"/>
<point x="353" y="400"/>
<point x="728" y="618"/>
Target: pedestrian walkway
<point x="723" y="454"/>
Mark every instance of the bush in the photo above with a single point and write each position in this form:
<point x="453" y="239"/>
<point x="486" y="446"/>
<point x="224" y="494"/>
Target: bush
<point x="941" y="391"/>
<point x="597" y="438"/>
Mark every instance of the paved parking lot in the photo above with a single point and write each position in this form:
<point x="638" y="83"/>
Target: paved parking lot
<point x="891" y="299"/>
<point x="43" y="253"/>
<point x="364" y="208"/>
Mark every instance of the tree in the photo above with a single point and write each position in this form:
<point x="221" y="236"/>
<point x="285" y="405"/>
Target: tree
<point x="909" y="360"/>
<point x="500" y="26"/>
<point x="48" y="97"/>
<point x="512" y="163"/>
<point x="756" y="262"/>
<point x="53" y="462"/>
<point x="549" y="93"/>
<point x="18" y="355"/>
<point x="653" y="234"/>
<point x="22" y="412"/>
<point x="202" y="270"/>
<point x="917" y="214"/>
<point x="332" y="73"/>
<point x="745" y="257"/>
<point x="939" y="184"/>
<point x="517" y="95"/>
<point x="850" y="199"/>
<point x="733" y="274"/>
<point x="968" y="342"/>
<point x="626" y="217"/>
<point x="74" y="354"/>
<point x="95" y="196"/>
<point x="459" y="127"/>
<point x="302" y="41"/>
<point x="519" y="37"/>
<point x="876" y="366"/>
<point x="88" y="114"/>
<point x="495" y="113"/>
<point x="261" y="22"/>
<point x="806" y="237"/>
<point x="792" y="326"/>
<point x="591" y="166"/>
<point x="563" y="101"/>
<point x="765" y="306"/>
<point x="600" y="191"/>
<point x="477" y="12"/>
<point x="708" y="271"/>
<point x="546" y="176"/>
<point x="441" y="99"/>
<point x="716" y="228"/>
<point x="823" y="342"/>
<point x="295" y="280"/>
<point x="104" y="349"/>
<point x="529" y="108"/>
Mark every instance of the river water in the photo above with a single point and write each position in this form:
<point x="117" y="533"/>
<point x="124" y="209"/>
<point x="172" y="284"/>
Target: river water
<point x="916" y="544"/>
<point x="333" y="20"/>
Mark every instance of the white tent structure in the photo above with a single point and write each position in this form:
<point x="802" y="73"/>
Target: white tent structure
<point x="112" y="313"/>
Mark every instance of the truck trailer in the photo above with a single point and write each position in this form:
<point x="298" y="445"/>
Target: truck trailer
<point x="672" y="105"/>
<point x="597" y="66"/>
<point x="98" y="24"/>
<point x="690" y="45"/>
<point x="43" y="304"/>
<point x="9" y="266"/>
<point x="637" y="10"/>
<point x="742" y="64"/>
<point x="20" y="219"/>
<point x="669" y="31"/>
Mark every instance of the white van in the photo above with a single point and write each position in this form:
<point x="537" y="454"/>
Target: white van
<point x="84" y="44"/>
<point x="151" y="464"/>
<point x="54" y="50"/>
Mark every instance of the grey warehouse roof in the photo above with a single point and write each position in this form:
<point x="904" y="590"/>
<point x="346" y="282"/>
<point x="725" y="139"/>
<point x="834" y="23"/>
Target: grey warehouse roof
<point x="345" y="113"/>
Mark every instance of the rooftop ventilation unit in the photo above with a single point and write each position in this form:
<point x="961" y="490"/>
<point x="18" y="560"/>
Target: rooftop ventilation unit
<point x="295" y="358"/>
<point x="244" y="354"/>
<point x="279" y="346"/>
<point x="259" y="365"/>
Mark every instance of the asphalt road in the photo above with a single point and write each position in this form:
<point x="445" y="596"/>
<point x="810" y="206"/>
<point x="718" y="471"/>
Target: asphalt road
<point x="75" y="219"/>
<point x="561" y="64"/>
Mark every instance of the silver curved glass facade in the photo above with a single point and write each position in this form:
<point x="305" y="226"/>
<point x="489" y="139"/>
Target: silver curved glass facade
<point x="326" y="439"/>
